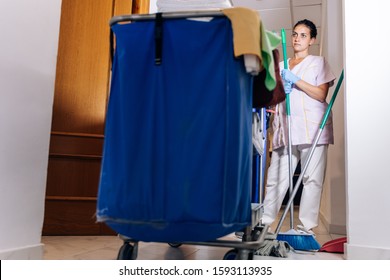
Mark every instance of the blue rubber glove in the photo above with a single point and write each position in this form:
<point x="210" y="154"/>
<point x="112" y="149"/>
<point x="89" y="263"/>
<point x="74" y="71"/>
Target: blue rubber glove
<point x="287" y="87"/>
<point x="288" y="76"/>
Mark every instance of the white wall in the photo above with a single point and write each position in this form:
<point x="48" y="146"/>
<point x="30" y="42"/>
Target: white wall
<point x="367" y="128"/>
<point x="152" y="6"/>
<point x="28" y="53"/>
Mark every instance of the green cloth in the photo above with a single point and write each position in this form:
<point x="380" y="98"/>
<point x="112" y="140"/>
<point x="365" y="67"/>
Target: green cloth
<point x="269" y="42"/>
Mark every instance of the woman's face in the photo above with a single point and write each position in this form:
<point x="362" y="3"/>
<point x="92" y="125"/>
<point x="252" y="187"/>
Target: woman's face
<point x="300" y="38"/>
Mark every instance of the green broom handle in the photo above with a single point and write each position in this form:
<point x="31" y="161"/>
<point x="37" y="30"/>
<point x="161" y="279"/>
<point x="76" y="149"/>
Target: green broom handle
<point x="283" y="33"/>
<point x="332" y="100"/>
<point x="313" y="146"/>
<point x="288" y="113"/>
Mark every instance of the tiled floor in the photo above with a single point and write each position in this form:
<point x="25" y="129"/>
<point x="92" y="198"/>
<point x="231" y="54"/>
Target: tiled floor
<point x="107" y="247"/>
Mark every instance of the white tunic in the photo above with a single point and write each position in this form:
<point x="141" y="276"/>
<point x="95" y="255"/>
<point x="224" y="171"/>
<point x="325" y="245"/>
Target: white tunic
<point x="306" y="112"/>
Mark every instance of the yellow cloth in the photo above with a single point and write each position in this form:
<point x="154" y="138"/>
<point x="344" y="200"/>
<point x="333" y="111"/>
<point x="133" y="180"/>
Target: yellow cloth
<point x="251" y="37"/>
<point x="246" y="30"/>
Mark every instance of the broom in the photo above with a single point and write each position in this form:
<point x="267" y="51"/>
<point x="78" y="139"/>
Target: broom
<point x="303" y="241"/>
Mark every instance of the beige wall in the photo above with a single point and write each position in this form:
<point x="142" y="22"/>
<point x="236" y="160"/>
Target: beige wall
<point x="333" y="206"/>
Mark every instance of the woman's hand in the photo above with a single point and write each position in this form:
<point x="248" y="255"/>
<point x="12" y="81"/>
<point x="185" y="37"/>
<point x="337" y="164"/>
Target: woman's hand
<point x="288" y="76"/>
<point x="287" y="87"/>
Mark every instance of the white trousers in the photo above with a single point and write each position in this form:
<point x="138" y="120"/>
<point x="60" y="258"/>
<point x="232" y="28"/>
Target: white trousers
<point x="278" y="183"/>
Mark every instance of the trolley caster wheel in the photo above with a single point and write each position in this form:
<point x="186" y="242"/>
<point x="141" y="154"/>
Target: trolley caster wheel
<point x="175" y="245"/>
<point x="255" y="235"/>
<point x="236" y="254"/>
<point x="245" y="255"/>
<point x="231" y="255"/>
<point x="127" y="252"/>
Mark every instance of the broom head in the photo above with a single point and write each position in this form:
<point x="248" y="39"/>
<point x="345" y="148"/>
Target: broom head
<point x="299" y="241"/>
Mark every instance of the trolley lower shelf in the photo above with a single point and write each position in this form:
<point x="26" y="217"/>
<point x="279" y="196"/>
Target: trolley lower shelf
<point x="242" y="249"/>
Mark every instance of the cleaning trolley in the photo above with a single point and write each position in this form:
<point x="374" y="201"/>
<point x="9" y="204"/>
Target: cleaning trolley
<point x="177" y="158"/>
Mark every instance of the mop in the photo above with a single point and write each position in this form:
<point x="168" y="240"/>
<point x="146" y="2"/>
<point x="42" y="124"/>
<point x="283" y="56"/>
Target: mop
<point x="288" y="113"/>
<point x="297" y="241"/>
<point x="290" y="171"/>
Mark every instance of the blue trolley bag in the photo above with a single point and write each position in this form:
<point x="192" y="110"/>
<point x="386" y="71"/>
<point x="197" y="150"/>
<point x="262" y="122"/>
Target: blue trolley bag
<point x="177" y="158"/>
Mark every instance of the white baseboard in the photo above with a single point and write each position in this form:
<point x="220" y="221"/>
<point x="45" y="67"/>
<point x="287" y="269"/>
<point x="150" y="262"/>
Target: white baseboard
<point x="34" y="252"/>
<point x="355" y="252"/>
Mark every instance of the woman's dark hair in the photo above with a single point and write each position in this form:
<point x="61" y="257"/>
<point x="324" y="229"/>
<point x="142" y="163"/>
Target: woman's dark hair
<point x="309" y="24"/>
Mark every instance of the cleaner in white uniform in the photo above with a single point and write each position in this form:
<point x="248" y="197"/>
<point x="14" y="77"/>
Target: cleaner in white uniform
<point x="307" y="80"/>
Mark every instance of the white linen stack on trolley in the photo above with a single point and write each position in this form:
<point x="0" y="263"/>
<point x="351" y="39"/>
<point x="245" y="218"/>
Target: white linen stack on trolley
<point x="187" y="5"/>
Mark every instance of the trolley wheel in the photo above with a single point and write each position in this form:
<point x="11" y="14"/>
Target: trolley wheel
<point x="245" y="255"/>
<point x="127" y="252"/>
<point x="239" y="254"/>
<point x="231" y="255"/>
<point x="175" y="245"/>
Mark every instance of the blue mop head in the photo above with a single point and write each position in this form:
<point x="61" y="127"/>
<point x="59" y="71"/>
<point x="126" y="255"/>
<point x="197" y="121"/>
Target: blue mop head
<point x="299" y="241"/>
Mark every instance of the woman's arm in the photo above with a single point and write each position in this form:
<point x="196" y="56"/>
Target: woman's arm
<point x="317" y="92"/>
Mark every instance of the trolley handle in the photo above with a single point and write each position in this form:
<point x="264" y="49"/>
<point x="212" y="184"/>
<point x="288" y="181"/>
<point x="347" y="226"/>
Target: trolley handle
<point x="184" y="14"/>
<point x="158" y="31"/>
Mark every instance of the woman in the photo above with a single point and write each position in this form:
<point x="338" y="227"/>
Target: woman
<point x="307" y="80"/>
